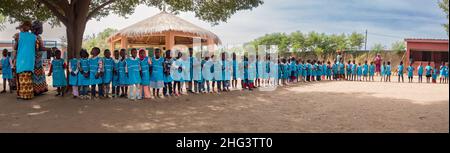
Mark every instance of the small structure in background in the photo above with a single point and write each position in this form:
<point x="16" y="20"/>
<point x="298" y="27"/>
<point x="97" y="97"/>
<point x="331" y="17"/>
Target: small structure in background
<point x="434" y="51"/>
<point x="164" y="31"/>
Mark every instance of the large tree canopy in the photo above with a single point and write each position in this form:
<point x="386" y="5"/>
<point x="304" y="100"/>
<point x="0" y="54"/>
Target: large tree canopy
<point x="74" y="14"/>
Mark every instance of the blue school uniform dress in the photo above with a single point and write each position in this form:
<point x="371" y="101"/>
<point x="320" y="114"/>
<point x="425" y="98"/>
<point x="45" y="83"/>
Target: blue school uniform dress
<point x="319" y="70"/>
<point x="442" y="71"/>
<point x="328" y="70"/>
<point x="191" y="67"/>
<point x="359" y="70"/>
<point x="428" y="71"/>
<point x="157" y="77"/>
<point x="287" y="71"/>
<point x="300" y="69"/>
<point x="133" y="67"/>
<point x="266" y="75"/>
<point x="365" y="69"/>
<point x="115" y="78"/>
<point x="273" y="70"/>
<point x="167" y="70"/>
<point x="335" y="69"/>
<point x="218" y="70"/>
<point x="226" y="70"/>
<point x="251" y="71"/>
<point x="198" y="70"/>
<point x="58" y="76"/>
<point x="187" y="71"/>
<point x="208" y="70"/>
<point x="400" y="70"/>
<point x="94" y="69"/>
<point x="308" y="69"/>
<point x="372" y="70"/>
<point x="342" y="68"/>
<point x="355" y="69"/>
<point x="382" y="71"/>
<point x="26" y="64"/>
<point x="420" y="70"/>
<point x="293" y="68"/>
<point x="349" y="69"/>
<point x="410" y="71"/>
<point x="177" y="70"/>
<point x="280" y="70"/>
<point x="6" y="68"/>
<point x="388" y="70"/>
<point x="434" y="75"/>
<point x="123" y="78"/>
<point x="108" y="65"/>
<point x="235" y="69"/>
<point x="145" y="69"/>
<point x="73" y="65"/>
<point x="84" y="68"/>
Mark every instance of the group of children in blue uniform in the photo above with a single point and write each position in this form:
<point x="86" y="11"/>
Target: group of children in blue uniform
<point x="136" y="75"/>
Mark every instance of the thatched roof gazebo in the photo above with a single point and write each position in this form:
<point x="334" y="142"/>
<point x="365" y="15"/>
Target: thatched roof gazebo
<point x="163" y="30"/>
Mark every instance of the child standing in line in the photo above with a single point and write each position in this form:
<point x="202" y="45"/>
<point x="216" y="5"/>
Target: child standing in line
<point x="371" y="71"/>
<point x="207" y="74"/>
<point x="359" y="71"/>
<point x="145" y="64"/>
<point x="197" y="75"/>
<point x="324" y="70"/>
<point x="226" y="69"/>
<point x="115" y="79"/>
<point x="108" y="74"/>
<point x="168" y="61"/>
<point x="434" y="75"/>
<point x="218" y="72"/>
<point x="305" y="70"/>
<point x="420" y="72"/>
<point x="410" y="73"/>
<point x="57" y="68"/>
<point x="300" y="70"/>
<point x="342" y="70"/>
<point x="313" y="70"/>
<point x="400" y="71"/>
<point x="442" y="73"/>
<point x="354" y="71"/>
<point x="428" y="72"/>
<point x="388" y="72"/>
<point x="123" y="78"/>
<point x="328" y="69"/>
<point x="235" y="71"/>
<point x="7" y="73"/>
<point x="383" y="72"/>
<point x="177" y="74"/>
<point x="335" y="70"/>
<point x="83" y="76"/>
<point x="133" y="71"/>
<point x="73" y="76"/>
<point x="349" y="70"/>
<point x="365" y="70"/>
<point x="96" y="73"/>
<point x="157" y="77"/>
<point x="293" y="68"/>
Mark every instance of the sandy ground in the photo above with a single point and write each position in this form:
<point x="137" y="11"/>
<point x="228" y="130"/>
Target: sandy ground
<point x="305" y="107"/>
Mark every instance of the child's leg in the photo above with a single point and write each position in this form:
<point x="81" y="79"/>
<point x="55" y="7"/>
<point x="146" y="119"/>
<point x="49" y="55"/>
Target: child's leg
<point x="170" y="88"/>
<point x="4" y="86"/>
<point x="75" y="91"/>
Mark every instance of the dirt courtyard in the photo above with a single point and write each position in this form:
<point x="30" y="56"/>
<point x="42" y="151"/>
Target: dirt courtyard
<point x="305" y="107"/>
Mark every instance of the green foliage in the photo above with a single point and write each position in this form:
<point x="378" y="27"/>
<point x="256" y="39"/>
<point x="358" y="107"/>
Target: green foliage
<point x="318" y="43"/>
<point x="99" y="40"/>
<point x="2" y="21"/>
<point x="399" y="47"/>
<point x="444" y="6"/>
<point x="377" y="48"/>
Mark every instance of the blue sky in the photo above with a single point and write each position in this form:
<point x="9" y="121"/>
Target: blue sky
<point x="386" y="20"/>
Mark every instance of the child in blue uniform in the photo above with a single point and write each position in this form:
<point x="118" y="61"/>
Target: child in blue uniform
<point x="133" y="71"/>
<point x="73" y="76"/>
<point x="145" y="64"/>
<point x="349" y="70"/>
<point x="226" y="72"/>
<point x="177" y="74"/>
<point x="335" y="71"/>
<point x="341" y="70"/>
<point x="388" y="70"/>
<point x="108" y="64"/>
<point x="83" y="75"/>
<point x="300" y="70"/>
<point x="123" y="78"/>
<point x="235" y="71"/>
<point x="420" y="72"/>
<point x="442" y="72"/>
<point x="354" y="71"/>
<point x="7" y="74"/>
<point x="96" y="73"/>
<point x="157" y="77"/>
<point x="410" y="73"/>
<point x="428" y="72"/>
<point x="115" y="78"/>
<point x="400" y="71"/>
<point x="359" y="71"/>
<point x="365" y="71"/>
<point x="328" y="70"/>
<point x="434" y="74"/>
<point x="57" y="69"/>
<point x="383" y="72"/>
<point x="371" y="71"/>
<point x="207" y="74"/>
<point x="168" y="61"/>
<point x="197" y="74"/>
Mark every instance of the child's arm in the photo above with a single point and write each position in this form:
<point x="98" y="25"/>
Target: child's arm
<point x="51" y="70"/>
